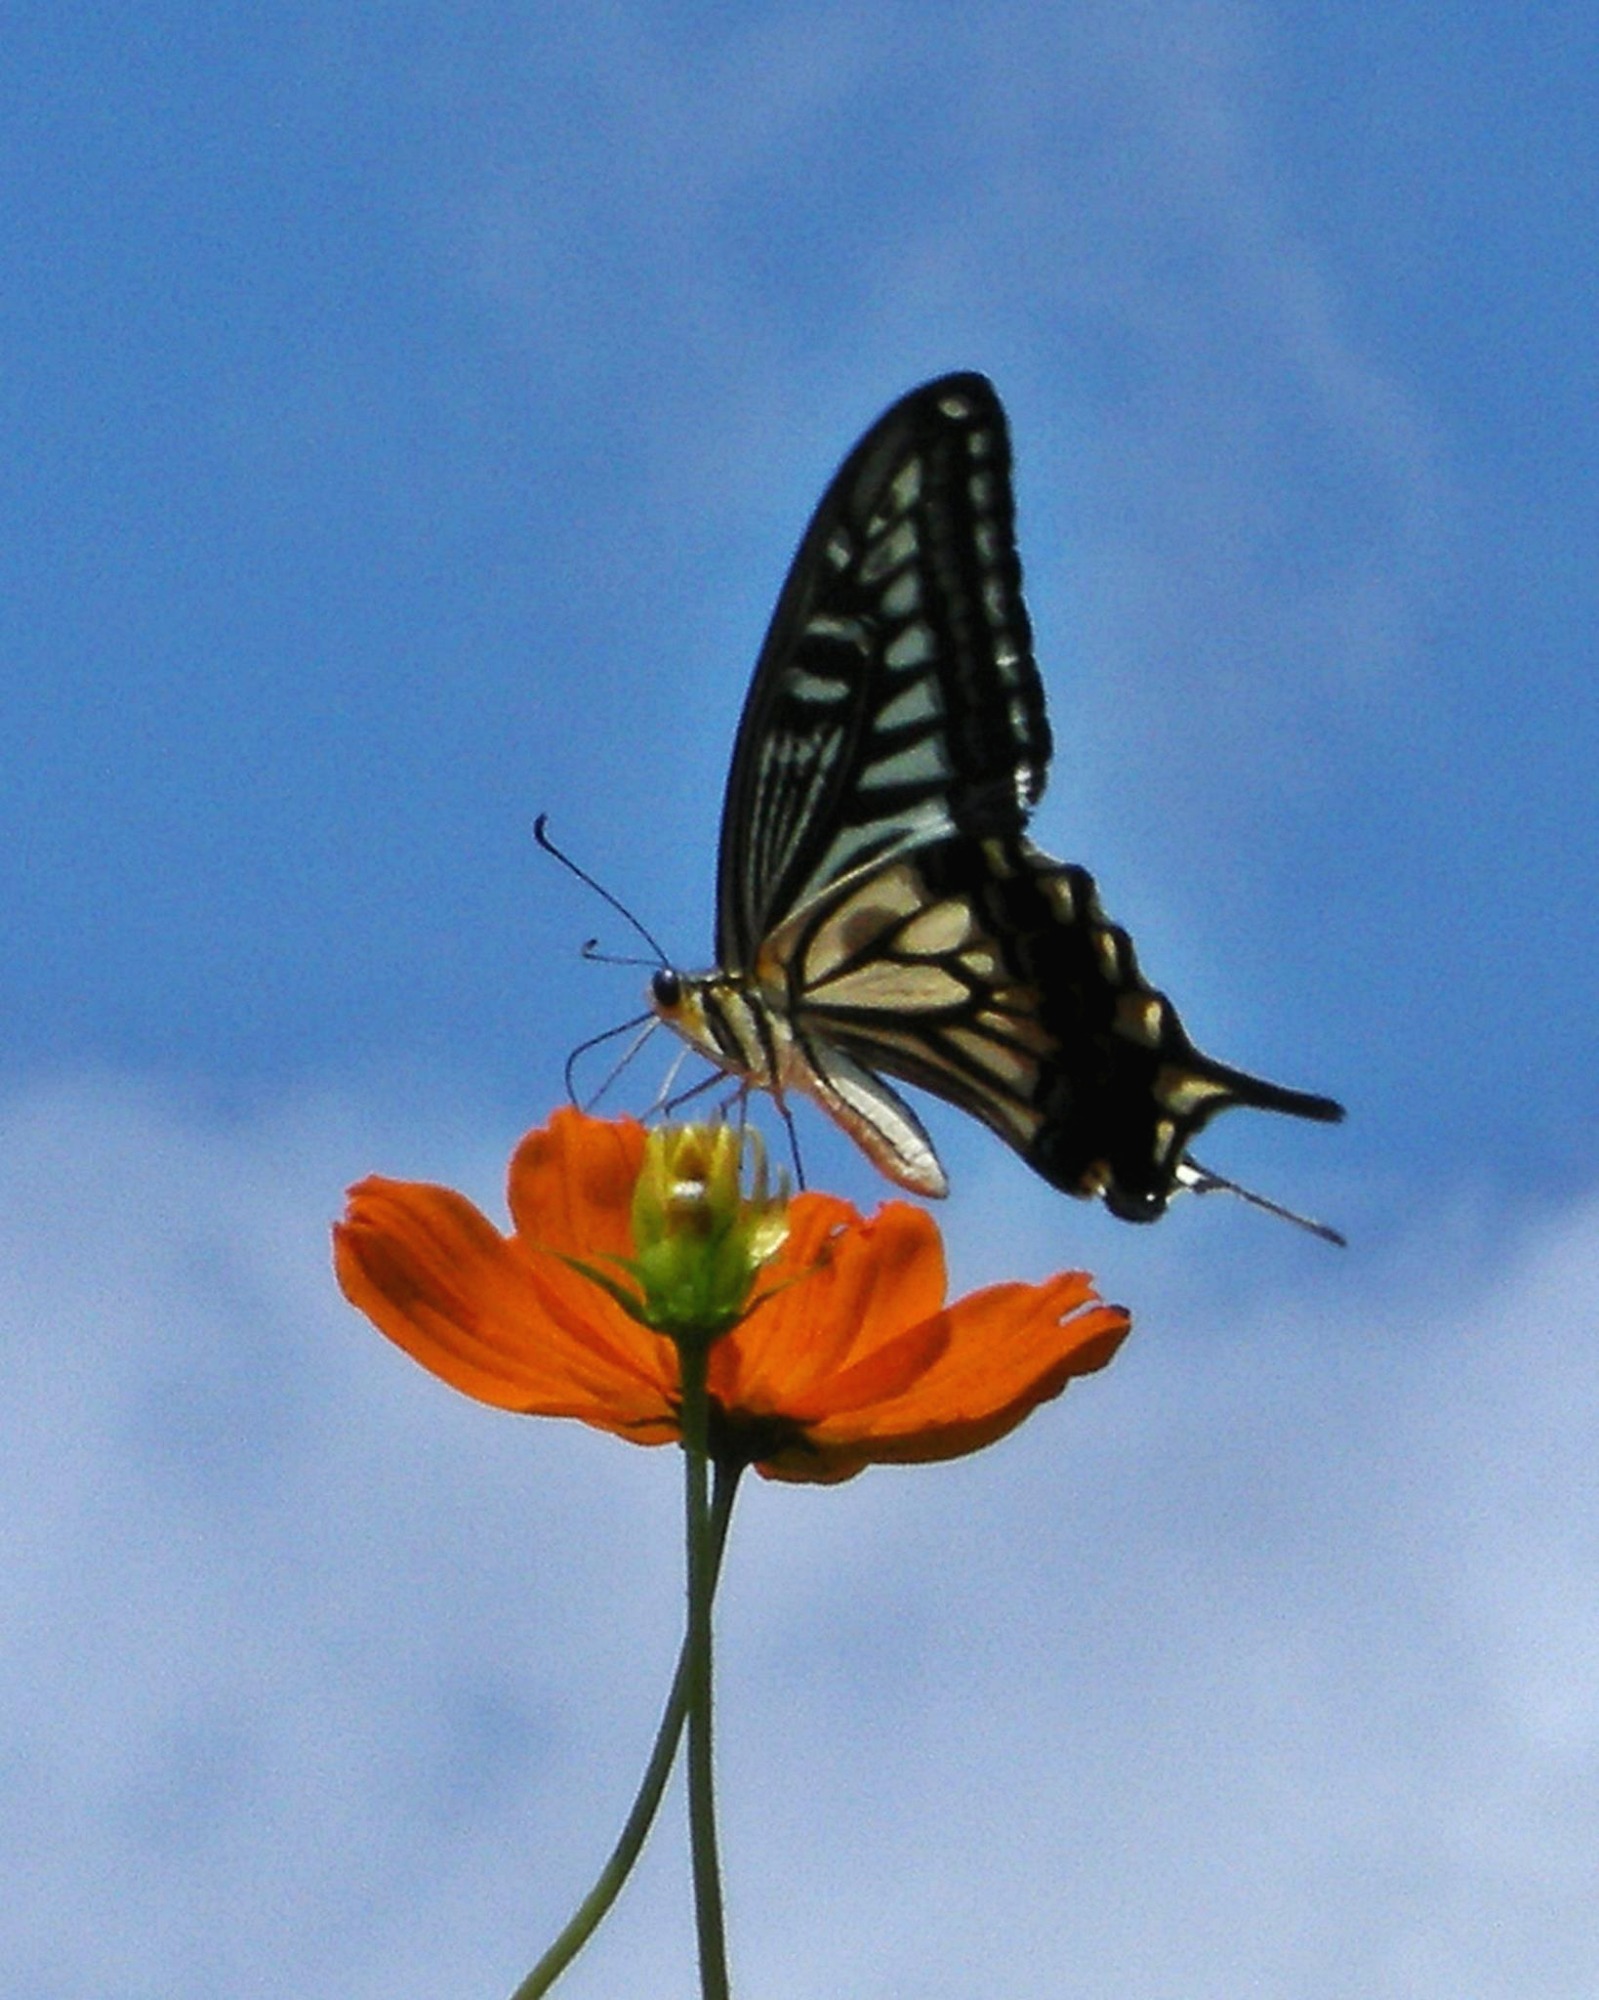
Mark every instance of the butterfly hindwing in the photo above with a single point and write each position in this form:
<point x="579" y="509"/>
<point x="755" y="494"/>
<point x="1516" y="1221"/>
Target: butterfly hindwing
<point x="987" y="973"/>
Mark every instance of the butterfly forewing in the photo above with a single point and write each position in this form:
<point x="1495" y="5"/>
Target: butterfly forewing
<point x="896" y="699"/>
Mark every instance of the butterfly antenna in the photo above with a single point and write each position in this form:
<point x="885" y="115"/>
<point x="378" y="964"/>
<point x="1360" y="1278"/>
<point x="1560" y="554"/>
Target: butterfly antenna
<point x="1202" y="1181"/>
<point x="542" y="836"/>
<point x="645" y="1023"/>
<point x="591" y="954"/>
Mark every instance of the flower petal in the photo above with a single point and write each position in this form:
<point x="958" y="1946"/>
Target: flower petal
<point x="433" y="1274"/>
<point x="571" y="1185"/>
<point x="1008" y="1349"/>
<point x="845" y="1294"/>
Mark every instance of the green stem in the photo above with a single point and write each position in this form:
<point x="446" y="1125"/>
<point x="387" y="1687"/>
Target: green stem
<point x="586" y="1918"/>
<point x="697" y="1658"/>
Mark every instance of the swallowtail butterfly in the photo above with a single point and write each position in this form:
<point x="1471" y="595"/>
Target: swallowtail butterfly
<point x="879" y="907"/>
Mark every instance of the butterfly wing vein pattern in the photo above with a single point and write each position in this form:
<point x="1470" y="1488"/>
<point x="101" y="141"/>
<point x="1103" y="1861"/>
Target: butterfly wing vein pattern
<point x="895" y="698"/>
<point x="879" y="910"/>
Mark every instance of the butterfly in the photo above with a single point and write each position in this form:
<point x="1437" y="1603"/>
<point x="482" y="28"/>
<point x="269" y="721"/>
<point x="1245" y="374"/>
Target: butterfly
<point x="880" y="910"/>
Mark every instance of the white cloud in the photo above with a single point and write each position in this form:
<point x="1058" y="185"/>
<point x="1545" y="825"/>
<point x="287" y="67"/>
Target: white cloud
<point x="1265" y="1662"/>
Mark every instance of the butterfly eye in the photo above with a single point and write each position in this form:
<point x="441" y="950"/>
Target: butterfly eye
<point x="666" y="989"/>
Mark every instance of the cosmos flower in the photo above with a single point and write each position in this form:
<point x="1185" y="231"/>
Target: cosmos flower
<point x="833" y="1347"/>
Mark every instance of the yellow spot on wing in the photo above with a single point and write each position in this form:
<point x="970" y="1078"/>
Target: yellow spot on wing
<point x="890" y="987"/>
<point x="1180" y="1091"/>
<point x="1138" y="1018"/>
<point x="944" y="927"/>
<point x="1008" y="1067"/>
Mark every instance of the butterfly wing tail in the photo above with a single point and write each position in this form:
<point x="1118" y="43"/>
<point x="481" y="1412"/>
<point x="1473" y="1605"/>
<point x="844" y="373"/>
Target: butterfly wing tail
<point x="1235" y="1086"/>
<point x="1143" y="1167"/>
<point x="1259" y="1095"/>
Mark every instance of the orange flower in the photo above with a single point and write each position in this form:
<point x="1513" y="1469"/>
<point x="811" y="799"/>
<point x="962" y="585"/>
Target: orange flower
<point x="849" y="1356"/>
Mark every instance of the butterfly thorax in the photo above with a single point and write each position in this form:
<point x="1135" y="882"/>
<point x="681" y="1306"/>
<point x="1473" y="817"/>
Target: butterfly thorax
<point x="724" y="1017"/>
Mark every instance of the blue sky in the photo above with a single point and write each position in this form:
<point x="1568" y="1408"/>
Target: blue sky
<point x="409" y="417"/>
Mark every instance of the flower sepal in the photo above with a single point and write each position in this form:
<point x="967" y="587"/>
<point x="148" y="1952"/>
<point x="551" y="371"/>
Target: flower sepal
<point x="701" y="1240"/>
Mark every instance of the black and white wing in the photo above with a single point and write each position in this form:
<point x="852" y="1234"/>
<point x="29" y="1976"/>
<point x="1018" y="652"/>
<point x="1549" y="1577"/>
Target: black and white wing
<point x="896" y="699"/>
<point x="879" y="908"/>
